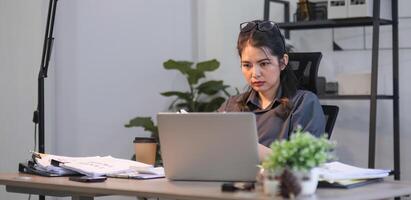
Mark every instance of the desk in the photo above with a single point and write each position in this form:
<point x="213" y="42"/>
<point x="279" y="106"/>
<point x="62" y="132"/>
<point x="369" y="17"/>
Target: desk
<point x="61" y="186"/>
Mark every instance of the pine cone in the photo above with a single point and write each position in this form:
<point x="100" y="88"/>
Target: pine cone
<point x="289" y="186"/>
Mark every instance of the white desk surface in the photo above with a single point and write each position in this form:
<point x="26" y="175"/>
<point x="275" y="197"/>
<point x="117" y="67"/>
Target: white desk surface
<point x="61" y="186"/>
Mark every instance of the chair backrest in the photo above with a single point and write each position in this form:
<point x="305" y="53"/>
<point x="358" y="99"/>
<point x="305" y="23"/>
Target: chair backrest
<point x="330" y="113"/>
<point x="305" y="66"/>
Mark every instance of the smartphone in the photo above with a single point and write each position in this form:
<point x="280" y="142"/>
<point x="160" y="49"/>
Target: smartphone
<point x="88" y="179"/>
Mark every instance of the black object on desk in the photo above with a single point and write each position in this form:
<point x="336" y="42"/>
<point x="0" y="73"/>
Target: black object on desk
<point x="27" y="168"/>
<point x="88" y="179"/>
<point x="235" y="186"/>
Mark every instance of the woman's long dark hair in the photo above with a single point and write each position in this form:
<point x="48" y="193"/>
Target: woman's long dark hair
<point x="273" y="40"/>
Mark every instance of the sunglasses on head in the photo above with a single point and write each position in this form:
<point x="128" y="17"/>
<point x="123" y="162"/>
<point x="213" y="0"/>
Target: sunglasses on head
<point x="263" y="26"/>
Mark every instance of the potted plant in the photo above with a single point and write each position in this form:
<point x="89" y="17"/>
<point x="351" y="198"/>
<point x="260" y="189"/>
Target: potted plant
<point x="292" y="163"/>
<point x="201" y="96"/>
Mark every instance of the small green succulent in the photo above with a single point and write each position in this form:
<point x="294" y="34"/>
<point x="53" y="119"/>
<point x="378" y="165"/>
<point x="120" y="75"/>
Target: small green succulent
<point x="301" y="152"/>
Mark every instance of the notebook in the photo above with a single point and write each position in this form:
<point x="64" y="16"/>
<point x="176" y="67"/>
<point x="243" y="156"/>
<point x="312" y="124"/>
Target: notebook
<point x="209" y="146"/>
<point x="348" y="184"/>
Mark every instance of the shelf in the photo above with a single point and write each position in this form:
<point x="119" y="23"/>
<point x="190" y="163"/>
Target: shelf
<point x="354" y="97"/>
<point x="361" y="22"/>
<point x="349" y="22"/>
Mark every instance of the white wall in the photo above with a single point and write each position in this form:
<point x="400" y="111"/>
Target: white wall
<point x="108" y="59"/>
<point x="21" y="34"/>
<point x="107" y="68"/>
<point x="218" y="25"/>
<point x="218" y="31"/>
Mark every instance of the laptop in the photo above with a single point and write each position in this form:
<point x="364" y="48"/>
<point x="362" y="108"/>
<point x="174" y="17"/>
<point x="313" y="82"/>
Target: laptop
<point x="209" y="146"/>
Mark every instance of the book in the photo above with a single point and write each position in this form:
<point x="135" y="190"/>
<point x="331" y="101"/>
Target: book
<point x="348" y="184"/>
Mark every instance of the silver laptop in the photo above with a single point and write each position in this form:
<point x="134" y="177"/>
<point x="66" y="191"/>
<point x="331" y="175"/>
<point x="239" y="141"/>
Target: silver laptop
<point x="209" y="146"/>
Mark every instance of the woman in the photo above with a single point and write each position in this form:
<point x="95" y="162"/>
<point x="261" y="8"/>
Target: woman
<point x="272" y="95"/>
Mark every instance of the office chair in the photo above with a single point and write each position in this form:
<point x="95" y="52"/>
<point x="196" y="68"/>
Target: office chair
<point x="305" y="67"/>
<point x="330" y="113"/>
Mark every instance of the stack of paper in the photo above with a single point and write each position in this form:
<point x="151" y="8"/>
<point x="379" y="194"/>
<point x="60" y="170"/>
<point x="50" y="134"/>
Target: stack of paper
<point x="43" y="163"/>
<point x="338" y="171"/>
<point x="140" y="173"/>
<point x="94" y="166"/>
<point x="100" y="166"/>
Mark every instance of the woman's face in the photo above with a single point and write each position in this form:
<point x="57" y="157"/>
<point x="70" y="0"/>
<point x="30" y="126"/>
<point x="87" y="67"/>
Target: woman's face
<point x="261" y="69"/>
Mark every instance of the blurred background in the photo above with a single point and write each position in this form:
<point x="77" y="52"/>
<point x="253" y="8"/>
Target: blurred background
<point x="106" y="68"/>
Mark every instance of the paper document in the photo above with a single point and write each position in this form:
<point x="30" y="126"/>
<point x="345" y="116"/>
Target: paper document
<point x="141" y="173"/>
<point x="100" y="166"/>
<point x="43" y="163"/>
<point x="94" y="166"/>
<point x="340" y="171"/>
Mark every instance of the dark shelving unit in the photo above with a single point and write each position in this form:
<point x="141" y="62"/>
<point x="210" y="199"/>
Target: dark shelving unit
<point x="355" y="97"/>
<point x="375" y="21"/>
<point x="338" y="23"/>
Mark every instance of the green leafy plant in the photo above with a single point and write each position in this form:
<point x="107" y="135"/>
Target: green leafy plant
<point x="301" y="152"/>
<point x="146" y="123"/>
<point x="201" y="96"/>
